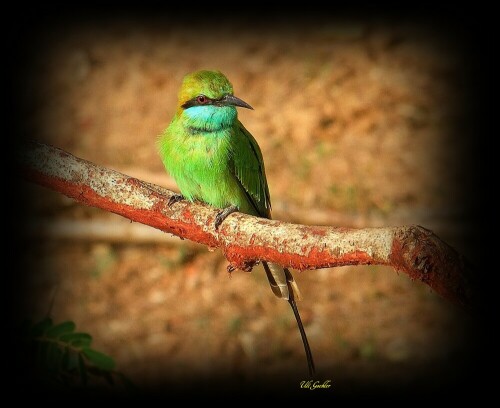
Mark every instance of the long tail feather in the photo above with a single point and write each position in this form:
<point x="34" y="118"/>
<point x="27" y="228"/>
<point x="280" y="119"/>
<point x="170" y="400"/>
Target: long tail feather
<point x="291" y="282"/>
<point x="277" y="280"/>
<point x="307" y="348"/>
<point x="284" y="286"/>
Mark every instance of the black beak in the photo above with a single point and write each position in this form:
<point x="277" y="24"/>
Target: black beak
<point x="234" y="101"/>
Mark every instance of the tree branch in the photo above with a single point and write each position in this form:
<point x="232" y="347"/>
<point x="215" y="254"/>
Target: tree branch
<point x="245" y="239"/>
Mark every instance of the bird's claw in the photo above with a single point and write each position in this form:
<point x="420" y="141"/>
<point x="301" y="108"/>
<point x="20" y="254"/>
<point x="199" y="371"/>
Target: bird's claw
<point x="222" y="215"/>
<point x="174" y="199"/>
<point x="245" y="266"/>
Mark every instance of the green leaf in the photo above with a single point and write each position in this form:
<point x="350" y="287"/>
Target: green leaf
<point x="72" y="361"/>
<point x="83" y="369"/>
<point x="39" y="328"/>
<point x="77" y="339"/>
<point x="69" y="361"/>
<point x="108" y="377"/>
<point x="100" y="360"/>
<point x="60" y="329"/>
<point x="127" y="383"/>
<point x="52" y="356"/>
<point x="65" y="358"/>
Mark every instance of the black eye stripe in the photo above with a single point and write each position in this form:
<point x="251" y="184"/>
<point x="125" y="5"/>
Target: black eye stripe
<point x="194" y="102"/>
<point x="209" y="101"/>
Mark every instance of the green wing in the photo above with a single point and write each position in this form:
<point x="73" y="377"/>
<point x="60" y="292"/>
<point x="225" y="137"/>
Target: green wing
<point x="250" y="172"/>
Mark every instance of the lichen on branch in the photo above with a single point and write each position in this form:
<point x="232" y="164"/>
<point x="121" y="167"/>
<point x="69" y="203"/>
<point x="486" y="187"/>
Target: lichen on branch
<point x="245" y="239"/>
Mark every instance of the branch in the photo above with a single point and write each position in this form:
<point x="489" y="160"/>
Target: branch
<point x="245" y="239"/>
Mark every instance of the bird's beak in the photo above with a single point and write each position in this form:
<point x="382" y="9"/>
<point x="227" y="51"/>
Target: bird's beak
<point x="234" y="101"/>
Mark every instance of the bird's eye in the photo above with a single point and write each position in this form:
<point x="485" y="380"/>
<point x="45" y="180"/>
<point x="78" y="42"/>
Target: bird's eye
<point x="201" y="99"/>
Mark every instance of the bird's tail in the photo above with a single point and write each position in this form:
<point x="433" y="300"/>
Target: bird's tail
<point x="284" y="286"/>
<point x="281" y="281"/>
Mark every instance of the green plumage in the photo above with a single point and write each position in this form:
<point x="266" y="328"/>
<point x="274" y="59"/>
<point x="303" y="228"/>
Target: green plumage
<point x="210" y="154"/>
<point x="214" y="159"/>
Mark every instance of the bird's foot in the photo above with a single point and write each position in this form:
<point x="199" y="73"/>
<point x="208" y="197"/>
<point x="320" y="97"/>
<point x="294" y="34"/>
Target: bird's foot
<point x="246" y="266"/>
<point x="174" y="199"/>
<point x="222" y="215"/>
<point x="230" y="269"/>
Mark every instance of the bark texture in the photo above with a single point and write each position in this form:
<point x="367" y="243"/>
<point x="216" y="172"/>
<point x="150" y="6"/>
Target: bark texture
<point x="245" y="239"/>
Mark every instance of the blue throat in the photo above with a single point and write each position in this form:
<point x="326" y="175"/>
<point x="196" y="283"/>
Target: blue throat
<point x="209" y="118"/>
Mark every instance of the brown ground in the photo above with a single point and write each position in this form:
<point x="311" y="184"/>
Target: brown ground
<point x="351" y="119"/>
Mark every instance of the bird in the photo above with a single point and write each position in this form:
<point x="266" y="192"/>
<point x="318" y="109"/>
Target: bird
<point x="214" y="159"/>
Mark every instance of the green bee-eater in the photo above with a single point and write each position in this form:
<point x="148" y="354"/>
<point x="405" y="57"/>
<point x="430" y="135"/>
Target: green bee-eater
<point x="214" y="159"/>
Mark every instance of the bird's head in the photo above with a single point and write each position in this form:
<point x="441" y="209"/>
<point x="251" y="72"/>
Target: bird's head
<point x="206" y="101"/>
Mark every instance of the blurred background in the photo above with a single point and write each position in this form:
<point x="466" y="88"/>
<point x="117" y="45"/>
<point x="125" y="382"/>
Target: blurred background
<point x="360" y="124"/>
